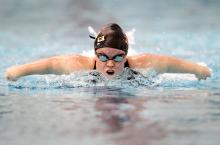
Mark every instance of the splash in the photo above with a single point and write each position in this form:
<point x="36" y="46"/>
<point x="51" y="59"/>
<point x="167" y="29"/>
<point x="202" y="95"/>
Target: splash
<point x="128" y="79"/>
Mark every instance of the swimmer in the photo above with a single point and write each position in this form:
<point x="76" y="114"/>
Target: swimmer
<point x="111" y="48"/>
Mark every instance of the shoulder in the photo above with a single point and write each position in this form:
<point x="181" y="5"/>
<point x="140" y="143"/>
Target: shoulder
<point x="75" y="60"/>
<point x="87" y="62"/>
<point x="138" y="61"/>
<point x="146" y="57"/>
<point x="144" y="60"/>
<point x="73" y="57"/>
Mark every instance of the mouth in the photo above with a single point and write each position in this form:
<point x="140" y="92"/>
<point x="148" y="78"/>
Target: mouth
<point x="110" y="72"/>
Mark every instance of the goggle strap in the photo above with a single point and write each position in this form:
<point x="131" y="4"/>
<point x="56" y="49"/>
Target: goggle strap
<point x="92" y="37"/>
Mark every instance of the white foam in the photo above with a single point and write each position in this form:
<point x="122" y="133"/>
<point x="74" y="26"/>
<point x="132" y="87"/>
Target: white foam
<point x="204" y="64"/>
<point x="132" y="51"/>
<point x="179" y="77"/>
<point x="130" y="36"/>
<point x="89" y="53"/>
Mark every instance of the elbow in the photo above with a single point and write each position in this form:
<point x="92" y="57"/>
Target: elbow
<point x="52" y="65"/>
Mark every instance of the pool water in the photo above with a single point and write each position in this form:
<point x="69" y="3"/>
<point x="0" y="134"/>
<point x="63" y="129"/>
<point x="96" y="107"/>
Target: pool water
<point x="84" y="108"/>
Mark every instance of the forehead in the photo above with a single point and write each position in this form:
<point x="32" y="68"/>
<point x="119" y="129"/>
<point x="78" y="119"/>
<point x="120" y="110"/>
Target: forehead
<point x="110" y="51"/>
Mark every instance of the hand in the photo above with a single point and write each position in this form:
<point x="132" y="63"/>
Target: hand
<point x="203" y="72"/>
<point x="9" y="74"/>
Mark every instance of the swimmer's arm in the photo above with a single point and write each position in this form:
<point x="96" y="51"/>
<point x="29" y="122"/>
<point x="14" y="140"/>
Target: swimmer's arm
<point x="169" y="64"/>
<point x="37" y="67"/>
<point x="54" y="65"/>
<point x="175" y="65"/>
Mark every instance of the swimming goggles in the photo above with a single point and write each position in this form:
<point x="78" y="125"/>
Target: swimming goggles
<point x="116" y="58"/>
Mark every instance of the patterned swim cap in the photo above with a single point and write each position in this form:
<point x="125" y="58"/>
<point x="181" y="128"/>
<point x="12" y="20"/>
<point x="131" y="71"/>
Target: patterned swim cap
<point x="111" y="35"/>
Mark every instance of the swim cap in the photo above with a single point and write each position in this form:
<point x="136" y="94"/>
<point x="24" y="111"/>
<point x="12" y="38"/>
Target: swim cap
<point x="111" y="35"/>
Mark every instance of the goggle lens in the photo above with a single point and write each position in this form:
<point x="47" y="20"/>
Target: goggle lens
<point x="104" y="58"/>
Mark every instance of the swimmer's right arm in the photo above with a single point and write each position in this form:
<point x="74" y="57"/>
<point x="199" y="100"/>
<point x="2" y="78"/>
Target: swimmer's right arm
<point x="54" y="65"/>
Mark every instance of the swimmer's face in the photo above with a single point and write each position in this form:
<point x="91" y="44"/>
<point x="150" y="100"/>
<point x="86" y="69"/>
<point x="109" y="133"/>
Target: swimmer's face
<point x="110" y="62"/>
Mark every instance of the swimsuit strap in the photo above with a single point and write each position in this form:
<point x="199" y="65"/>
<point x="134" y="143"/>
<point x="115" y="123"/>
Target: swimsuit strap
<point x="94" y="66"/>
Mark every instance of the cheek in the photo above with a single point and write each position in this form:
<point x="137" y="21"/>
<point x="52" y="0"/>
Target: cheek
<point x="120" y="66"/>
<point x="100" y="66"/>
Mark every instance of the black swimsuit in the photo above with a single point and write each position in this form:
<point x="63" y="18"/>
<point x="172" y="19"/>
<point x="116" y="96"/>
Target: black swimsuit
<point x="126" y="65"/>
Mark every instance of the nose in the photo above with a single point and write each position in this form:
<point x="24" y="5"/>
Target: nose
<point x="110" y="63"/>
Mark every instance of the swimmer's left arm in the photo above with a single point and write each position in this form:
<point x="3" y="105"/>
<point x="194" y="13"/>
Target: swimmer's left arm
<point x="175" y="65"/>
<point x="169" y="64"/>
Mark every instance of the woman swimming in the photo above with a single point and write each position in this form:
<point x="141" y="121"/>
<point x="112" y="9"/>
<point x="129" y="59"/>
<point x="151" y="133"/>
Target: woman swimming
<point x="111" y="48"/>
